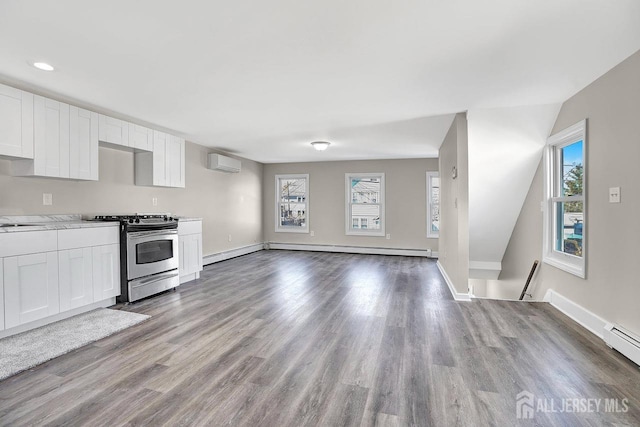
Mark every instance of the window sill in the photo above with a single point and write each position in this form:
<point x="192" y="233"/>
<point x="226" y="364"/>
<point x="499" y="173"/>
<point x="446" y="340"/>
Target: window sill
<point x="366" y="233"/>
<point x="577" y="269"/>
<point x="292" y="230"/>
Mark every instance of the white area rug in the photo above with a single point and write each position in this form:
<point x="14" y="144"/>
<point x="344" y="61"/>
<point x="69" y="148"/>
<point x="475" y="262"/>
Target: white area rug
<point x="28" y="349"/>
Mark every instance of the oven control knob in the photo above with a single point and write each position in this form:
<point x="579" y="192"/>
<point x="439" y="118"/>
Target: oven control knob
<point x="130" y="220"/>
<point x="137" y="220"/>
<point x="165" y="218"/>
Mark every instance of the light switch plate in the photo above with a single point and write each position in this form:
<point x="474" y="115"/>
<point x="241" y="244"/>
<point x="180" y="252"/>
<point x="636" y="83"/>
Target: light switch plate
<point x="47" y="199"/>
<point x="614" y="195"/>
<point x="313" y="233"/>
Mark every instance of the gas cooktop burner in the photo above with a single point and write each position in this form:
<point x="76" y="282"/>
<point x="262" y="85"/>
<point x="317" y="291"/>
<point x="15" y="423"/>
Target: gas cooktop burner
<point x="138" y="218"/>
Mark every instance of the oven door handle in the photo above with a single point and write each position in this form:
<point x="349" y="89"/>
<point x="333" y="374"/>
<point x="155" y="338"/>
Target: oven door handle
<point x="155" y="278"/>
<point x="139" y="234"/>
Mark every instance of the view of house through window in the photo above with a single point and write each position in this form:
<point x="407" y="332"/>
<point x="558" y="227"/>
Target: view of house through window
<point x="292" y="201"/>
<point x="365" y="204"/>
<point x="433" y="204"/>
<point x="565" y="221"/>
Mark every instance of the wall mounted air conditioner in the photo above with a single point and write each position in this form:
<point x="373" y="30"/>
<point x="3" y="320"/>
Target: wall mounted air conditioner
<point x="623" y="341"/>
<point x="218" y="162"/>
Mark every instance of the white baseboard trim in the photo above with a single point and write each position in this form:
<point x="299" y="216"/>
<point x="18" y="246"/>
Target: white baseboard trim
<point x="588" y="320"/>
<point x="458" y="296"/>
<point x="60" y="316"/>
<point x="222" y="256"/>
<point x="349" y="249"/>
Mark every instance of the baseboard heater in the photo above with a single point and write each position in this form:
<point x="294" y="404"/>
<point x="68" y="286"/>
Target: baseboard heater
<point x="623" y="341"/>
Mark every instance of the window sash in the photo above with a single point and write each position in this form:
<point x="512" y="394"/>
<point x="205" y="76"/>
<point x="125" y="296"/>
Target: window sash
<point x="350" y="221"/>
<point x="554" y="250"/>
<point x="301" y="203"/>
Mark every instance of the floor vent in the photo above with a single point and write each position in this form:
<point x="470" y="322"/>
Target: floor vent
<point x="623" y="341"/>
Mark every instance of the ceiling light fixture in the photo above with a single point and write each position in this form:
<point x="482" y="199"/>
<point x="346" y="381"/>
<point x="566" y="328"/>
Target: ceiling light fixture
<point x="321" y="145"/>
<point x="43" y="66"/>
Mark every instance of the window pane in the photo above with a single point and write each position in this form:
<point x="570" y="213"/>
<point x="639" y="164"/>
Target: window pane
<point x="365" y="190"/>
<point x="569" y="223"/>
<point x="293" y="190"/>
<point x="293" y="214"/>
<point x="355" y="223"/>
<point x="367" y="215"/>
<point x="572" y="158"/>
<point x="435" y="204"/>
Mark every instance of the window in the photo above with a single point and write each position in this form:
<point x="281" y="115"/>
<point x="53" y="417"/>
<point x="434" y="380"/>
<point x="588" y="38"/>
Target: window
<point x="433" y="204"/>
<point x="292" y="201"/>
<point x="565" y="221"/>
<point x="364" y="204"/>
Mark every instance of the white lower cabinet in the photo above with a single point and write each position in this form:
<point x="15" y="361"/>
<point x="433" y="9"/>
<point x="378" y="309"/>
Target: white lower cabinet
<point x="75" y="278"/>
<point x="190" y="250"/>
<point x="31" y="288"/>
<point x="190" y="254"/>
<point x="106" y="272"/>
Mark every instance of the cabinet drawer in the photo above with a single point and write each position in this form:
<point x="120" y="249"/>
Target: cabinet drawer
<point x="28" y="242"/>
<point x="189" y="227"/>
<point x="86" y="237"/>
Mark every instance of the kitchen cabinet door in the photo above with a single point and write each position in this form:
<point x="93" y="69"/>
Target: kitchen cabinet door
<point x="16" y="123"/>
<point x="75" y="278"/>
<point x="83" y="144"/>
<point x="31" y="288"/>
<point x="190" y="256"/>
<point x="1" y="296"/>
<point x="175" y="161"/>
<point x="140" y="137"/>
<point x="106" y="272"/>
<point x="113" y="131"/>
<point x="51" y="138"/>
<point x="160" y="143"/>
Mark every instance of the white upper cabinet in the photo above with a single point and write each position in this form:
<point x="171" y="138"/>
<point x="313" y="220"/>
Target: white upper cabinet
<point x="175" y="162"/>
<point x="16" y="123"/>
<point x="66" y="142"/>
<point x="140" y="137"/>
<point x="160" y="143"/>
<point x="165" y="165"/>
<point x="83" y="144"/>
<point x="113" y="131"/>
<point x="51" y="138"/>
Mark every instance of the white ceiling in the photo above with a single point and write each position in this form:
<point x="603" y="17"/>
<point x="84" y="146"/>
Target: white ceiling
<point x="379" y="79"/>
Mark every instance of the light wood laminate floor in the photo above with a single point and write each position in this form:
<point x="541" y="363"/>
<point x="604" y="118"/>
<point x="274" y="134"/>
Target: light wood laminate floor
<point x="280" y="338"/>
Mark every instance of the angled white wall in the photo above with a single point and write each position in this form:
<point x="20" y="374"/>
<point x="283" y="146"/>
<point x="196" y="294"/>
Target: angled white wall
<point x="505" y="147"/>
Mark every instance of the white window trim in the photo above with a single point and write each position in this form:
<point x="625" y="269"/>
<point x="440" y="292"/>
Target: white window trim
<point x="285" y="229"/>
<point x="569" y="263"/>
<point x="349" y="231"/>
<point x="431" y="234"/>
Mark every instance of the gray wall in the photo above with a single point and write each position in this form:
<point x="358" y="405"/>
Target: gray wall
<point x="405" y="182"/>
<point x="230" y="204"/>
<point x="454" y="204"/>
<point x="611" y="290"/>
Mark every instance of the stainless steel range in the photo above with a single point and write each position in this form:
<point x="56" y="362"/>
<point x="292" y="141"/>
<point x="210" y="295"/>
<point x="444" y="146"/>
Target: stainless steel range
<point x="148" y="254"/>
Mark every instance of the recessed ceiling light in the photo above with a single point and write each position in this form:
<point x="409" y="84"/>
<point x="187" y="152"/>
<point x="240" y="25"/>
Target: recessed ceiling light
<point x="43" y="66"/>
<point x="321" y="145"/>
